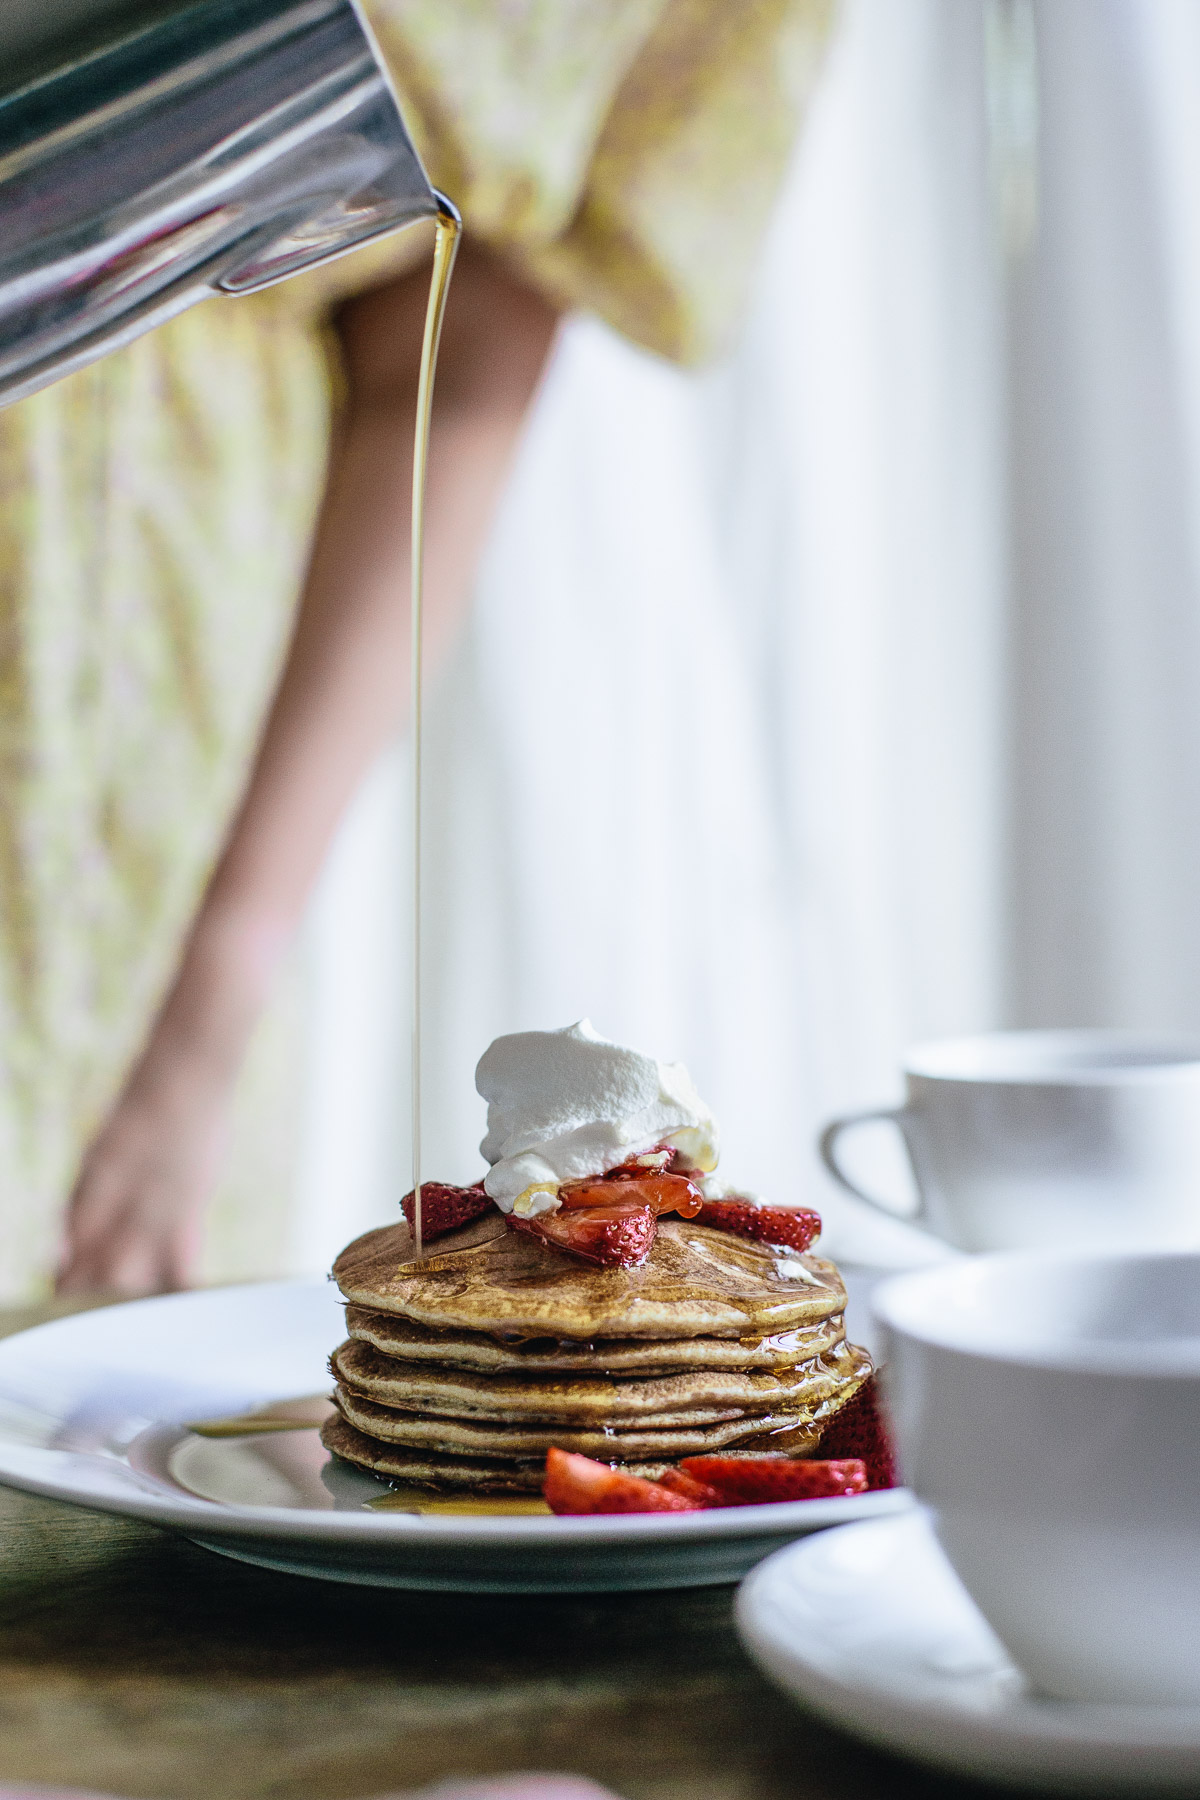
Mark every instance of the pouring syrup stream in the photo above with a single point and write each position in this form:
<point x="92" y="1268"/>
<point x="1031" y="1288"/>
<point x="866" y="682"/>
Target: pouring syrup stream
<point x="449" y="228"/>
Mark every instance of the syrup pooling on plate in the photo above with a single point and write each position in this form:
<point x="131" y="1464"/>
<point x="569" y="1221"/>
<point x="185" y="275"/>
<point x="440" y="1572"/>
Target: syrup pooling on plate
<point x="494" y="1506"/>
<point x="449" y="227"/>
<point x="304" y="1414"/>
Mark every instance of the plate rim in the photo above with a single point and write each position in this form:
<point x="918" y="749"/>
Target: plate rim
<point x="320" y="1527"/>
<point x="1024" y="1739"/>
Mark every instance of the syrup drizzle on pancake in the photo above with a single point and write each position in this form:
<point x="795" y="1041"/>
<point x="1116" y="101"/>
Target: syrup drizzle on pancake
<point x="696" y="1282"/>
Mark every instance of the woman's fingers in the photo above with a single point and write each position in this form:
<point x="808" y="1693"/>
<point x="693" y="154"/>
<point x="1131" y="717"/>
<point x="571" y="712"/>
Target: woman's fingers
<point x="134" y="1251"/>
<point x="132" y="1222"/>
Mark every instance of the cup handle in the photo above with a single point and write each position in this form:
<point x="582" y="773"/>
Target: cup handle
<point x="828" y="1148"/>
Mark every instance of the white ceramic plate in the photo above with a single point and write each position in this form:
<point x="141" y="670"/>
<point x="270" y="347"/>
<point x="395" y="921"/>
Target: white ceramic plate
<point x="94" y="1410"/>
<point x="871" y="1626"/>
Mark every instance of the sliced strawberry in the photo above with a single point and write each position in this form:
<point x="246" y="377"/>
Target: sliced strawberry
<point x="445" y="1208"/>
<point x="680" y="1482"/>
<point x="794" y="1226"/>
<point x="617" y="1235"/>
<point x="654" y="1162"/>
<point x="665" y="1193"/>
<point x="612" y="1219"/>
<point x="576" y="1484"/>
<point x="754" y="1481"/>
<point x="859" y="1429"/>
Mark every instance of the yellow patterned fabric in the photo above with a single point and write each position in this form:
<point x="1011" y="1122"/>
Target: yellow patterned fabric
<point x="155" y="513"/>
<point x="623" y="153"/>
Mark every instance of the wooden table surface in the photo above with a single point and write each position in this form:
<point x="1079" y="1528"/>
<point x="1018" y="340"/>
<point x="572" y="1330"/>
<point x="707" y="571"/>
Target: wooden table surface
<point x="133" y="1662"/>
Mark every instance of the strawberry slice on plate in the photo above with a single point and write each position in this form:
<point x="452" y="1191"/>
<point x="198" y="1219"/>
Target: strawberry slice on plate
<point x="445" y="1208"/>
<point x="797" y="1227"/>
<point x="757" y="1481"/>
<point x="576" y="1484"/>
<point x="616" y="1235"/>
<point x="680" y="1482"/>
<point x="858" y="1429"/>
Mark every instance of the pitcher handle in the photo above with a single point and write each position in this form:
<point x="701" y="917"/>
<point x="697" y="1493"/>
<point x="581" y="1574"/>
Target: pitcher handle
<point x="847" y="1122"/>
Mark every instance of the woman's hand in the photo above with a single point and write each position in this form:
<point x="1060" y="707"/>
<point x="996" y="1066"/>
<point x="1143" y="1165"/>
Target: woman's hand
<point x="133" y="1222"/>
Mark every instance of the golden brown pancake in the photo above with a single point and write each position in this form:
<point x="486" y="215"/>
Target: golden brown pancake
<point x="409" y="1342"/>
<point x="463" y="1369"/>
<point x="474" y="1438"/>
<point x="696" y="1282"/>
<point x="696" y="1397"/>
<point x="460" y="1473"/>
<point x="425" y="1468"/>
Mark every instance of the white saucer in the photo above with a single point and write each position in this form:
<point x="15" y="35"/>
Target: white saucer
<point x="94" y="1409"/>
<point x="870" y="1626"/>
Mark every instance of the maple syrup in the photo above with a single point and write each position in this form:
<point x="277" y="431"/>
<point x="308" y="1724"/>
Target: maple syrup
<point x="302" y="1414"/>
<point x="495" y="1506"/>
<point x="446" y="240"/>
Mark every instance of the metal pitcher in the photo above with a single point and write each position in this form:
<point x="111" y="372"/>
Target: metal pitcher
<point x="153" y="153"/>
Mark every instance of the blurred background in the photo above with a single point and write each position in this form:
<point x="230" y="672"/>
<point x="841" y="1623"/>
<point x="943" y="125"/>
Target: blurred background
<point x="845" y="694"/>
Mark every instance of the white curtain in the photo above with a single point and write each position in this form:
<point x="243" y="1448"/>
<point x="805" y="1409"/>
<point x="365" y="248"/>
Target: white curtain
<point x="1105" y="416"/>
<point x="846" y="694"/>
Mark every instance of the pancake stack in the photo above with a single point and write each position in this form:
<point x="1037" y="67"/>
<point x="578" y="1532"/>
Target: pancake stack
<point x="460" y="1371"/>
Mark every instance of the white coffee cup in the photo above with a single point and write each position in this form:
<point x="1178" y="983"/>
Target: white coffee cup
<point x="1047" y="1408"/>
<point x="1042" y="1138"/>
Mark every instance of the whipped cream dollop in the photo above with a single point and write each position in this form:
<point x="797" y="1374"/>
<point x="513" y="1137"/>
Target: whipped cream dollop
<point x="566" y="1104"/>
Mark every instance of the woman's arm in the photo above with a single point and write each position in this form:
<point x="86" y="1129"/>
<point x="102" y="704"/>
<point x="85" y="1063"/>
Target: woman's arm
<point x="134" y="1216"/>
